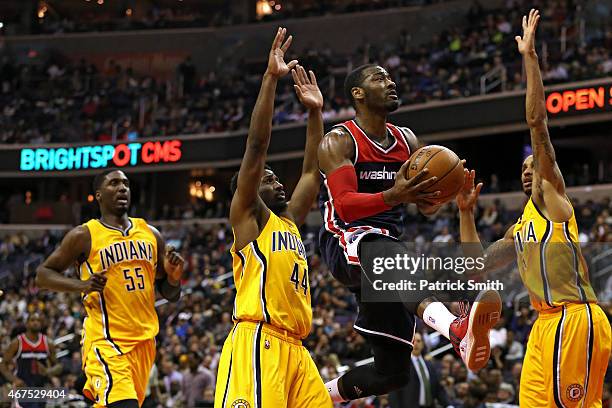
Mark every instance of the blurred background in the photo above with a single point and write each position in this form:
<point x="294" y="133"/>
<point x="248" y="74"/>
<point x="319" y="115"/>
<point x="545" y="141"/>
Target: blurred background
<point x="163" y="89"/>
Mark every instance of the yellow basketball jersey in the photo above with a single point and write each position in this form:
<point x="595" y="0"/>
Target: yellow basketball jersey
<point x="124" y="314"/>
<point x="550" y="261"/>
<point x="271" y="277"/>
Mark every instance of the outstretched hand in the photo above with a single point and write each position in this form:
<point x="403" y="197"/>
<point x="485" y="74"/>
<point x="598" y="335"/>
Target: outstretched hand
<point x="526" y="44"/>
<point x="468" y="195"/>
<point x="276" y="62"/>
<point x="306" y="88"/>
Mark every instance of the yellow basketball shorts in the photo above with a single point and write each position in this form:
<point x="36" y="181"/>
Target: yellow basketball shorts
<point x="263" y="367"/>
<point x="566" y="359"/>
<point x="117" y="378"/>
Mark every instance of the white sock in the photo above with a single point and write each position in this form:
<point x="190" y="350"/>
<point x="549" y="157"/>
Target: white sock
<point x="437" y="316"/>
<point x="334" y="393"/>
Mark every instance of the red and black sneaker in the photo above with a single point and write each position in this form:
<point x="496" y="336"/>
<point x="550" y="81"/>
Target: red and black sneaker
<point x="469" y="333"/>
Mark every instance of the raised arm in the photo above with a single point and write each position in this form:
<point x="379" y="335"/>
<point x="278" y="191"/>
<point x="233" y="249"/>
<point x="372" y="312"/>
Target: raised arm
<point x="248" y="213"/>
<point x="74" y="249"/>
<point x="307" y="187"/>
<point x="335" y="153"/>
<point x="548" y="185"/>
<point x="499" y="254"/>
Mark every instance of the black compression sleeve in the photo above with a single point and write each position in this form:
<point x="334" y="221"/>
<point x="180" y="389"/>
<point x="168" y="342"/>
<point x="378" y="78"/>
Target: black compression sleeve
<point x="168" y="291"/>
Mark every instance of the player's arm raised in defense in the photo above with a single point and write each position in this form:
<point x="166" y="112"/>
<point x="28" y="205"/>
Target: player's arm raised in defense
<point x="248" y="213"/>
<point x="548" y="189"/>
<point x="8" y="355"/>
<point x="500" y="253"/>
<point x="307" y="187"/>
<point x="169" y="269"/>
<point x="74" y="249"/>
<point x="335" y="154"/>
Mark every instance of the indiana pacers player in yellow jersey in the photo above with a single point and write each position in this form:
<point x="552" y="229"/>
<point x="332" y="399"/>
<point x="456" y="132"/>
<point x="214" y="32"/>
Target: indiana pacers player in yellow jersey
<point x="121" y="261"/>
<point x="263" y="363"/>
<point x="569" y="345"/>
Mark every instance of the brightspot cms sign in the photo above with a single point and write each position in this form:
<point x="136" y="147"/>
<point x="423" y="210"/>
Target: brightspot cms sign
<point x="100" y="156"/>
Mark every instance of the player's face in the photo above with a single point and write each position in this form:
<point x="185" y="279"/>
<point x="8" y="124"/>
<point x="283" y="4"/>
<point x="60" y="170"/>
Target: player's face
<point x="114" y="193"/>
<point x="380" y="92"/>
<point x="527" y="175"/>
<point x="417" y="349"/>
<point x="272" y="192"/>
<point x="34" y="324"/>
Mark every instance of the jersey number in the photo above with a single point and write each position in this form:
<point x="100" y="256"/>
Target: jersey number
<point x="131" y="285"/>
<point x="295" y="278"/>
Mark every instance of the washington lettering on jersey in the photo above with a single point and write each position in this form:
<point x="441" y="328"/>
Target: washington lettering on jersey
<point x="376" y="168"/>
<point x="287" y="241"/>
<point x="383" y="174"/>
<point x="125" y="251"/>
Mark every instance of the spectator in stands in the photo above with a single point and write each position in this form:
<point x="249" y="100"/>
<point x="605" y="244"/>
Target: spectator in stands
<point x="424" y="389"/>
<point x="196" y="380"/>
<point x="78" y="103"/>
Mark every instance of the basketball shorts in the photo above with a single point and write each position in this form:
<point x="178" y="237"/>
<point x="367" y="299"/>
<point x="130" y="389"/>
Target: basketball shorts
<point x="117" y="378"/>
<point x="390" y="320"/>
<point x="262" y="366"/>
<point x="566" y="359"/>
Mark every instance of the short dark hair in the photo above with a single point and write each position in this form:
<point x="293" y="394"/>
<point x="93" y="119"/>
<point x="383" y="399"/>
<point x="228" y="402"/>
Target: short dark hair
<point x="355" y="79"/>
<point x="234" y="182"/>
<point x="99" y="178"/>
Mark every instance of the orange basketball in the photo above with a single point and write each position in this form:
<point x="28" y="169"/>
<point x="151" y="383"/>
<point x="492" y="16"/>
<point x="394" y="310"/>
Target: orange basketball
<point x="442" y="163"/>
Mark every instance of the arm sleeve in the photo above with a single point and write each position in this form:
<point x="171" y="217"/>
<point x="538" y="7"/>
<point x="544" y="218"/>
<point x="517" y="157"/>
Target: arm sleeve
<point x="169" y="292"/>
<point x="348" y="203"/>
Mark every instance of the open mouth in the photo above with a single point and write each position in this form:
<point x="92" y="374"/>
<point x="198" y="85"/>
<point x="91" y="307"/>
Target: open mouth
<point x="122" y="200"/>
<point x="392" y="95"/>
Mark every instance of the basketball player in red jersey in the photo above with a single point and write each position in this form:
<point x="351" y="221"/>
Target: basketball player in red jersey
<point x="34" y="357"/>
<point x="364" y="162"/>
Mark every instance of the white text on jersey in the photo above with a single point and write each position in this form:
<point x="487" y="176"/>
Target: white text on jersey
<point x="286" y="241"/>
<point x="125" y="251"/>
<point x="377" y="174"/>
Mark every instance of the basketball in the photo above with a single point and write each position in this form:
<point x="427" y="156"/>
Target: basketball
<point x="442" y="163"/>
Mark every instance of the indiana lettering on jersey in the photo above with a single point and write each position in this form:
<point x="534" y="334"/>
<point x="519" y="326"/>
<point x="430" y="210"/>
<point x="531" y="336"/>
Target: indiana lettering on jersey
<point x="125" y="251"/>
<point x="286" y="241"/>
<point x="383" y="174"/>
<point x="525" y="235"/>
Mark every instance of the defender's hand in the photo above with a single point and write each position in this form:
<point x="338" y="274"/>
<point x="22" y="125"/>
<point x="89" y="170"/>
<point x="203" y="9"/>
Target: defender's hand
<point x="173" y="263"/>
<point x="468" y="195"/>
<point x="306" y="88"/>
<point x="277" y="66"/>
<point x="526" y="45"/>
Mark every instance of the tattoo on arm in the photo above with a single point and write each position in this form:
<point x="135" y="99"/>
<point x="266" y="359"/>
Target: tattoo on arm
<point x="500" y="254"/>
